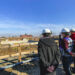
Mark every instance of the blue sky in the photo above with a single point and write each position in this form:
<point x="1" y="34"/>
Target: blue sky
<point x="31" y="16"/>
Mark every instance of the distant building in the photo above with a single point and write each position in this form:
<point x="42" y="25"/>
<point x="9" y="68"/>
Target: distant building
<point x="26" y="36"/>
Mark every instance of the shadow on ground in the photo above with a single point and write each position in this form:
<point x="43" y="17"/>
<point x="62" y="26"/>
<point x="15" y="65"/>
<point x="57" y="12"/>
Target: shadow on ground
<point x="6" y="73"/>
<point x="32" y="68"/>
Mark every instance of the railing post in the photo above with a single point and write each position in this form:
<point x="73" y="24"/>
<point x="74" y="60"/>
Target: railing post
<point x="19" y="51"/>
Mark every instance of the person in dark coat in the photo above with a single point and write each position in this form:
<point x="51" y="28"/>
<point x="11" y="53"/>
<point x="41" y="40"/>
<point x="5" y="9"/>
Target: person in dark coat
<point x="49" y="54"/>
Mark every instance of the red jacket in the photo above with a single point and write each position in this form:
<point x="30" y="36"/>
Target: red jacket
<point x="66" y="46"/>
<point x="73" y="37"/>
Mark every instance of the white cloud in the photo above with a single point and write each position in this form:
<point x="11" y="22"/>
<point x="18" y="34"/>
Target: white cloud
<point x="10" y="26"/>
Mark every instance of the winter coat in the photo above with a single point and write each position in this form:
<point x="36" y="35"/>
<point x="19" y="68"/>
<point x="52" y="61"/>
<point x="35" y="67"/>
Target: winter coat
<point x="49" y="54"/>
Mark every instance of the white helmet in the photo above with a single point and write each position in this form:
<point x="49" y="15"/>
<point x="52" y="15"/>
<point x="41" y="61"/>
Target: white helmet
<point x="72" y="30"/>
<point x="65" y="30"/>
<point x="46" y="31"/>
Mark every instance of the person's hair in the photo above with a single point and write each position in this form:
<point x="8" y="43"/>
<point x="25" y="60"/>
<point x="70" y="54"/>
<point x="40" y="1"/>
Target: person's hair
<point x="46" y="34"/>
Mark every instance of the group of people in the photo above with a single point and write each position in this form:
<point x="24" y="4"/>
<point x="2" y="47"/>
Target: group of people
<point x="67" y="49"/>
<point x="50" y="54"/>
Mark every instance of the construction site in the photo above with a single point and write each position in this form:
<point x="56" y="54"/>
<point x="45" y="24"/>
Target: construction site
<point x="37" y="37"/>
<point x="20" y="57"/>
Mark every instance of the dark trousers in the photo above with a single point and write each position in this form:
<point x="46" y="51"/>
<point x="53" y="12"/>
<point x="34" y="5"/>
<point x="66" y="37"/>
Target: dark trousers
<point x="74" y="61"/>
<point x="66" y="64"/>
<point x="74" y="57"/>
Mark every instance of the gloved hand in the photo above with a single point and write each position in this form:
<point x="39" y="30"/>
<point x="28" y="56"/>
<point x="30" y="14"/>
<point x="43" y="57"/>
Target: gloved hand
<point x="51" y="68"/>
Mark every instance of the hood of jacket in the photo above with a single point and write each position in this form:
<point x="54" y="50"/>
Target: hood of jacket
<point x="47" y="41"/>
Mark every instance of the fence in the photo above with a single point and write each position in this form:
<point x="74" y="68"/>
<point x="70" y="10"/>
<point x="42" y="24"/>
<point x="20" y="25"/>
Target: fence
<point x="17" y="50"/>
<point x="22" y="58"/>
<point x="25" y="68"/>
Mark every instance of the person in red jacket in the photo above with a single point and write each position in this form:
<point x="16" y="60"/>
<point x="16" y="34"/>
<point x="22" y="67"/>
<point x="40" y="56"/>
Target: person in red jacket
<point x="73" y="39"/>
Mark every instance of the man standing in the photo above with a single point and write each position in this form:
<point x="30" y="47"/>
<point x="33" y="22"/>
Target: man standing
<point x="66" y="46"/>
<point x="73" y="50"/>
<point x="48" y="53"/>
